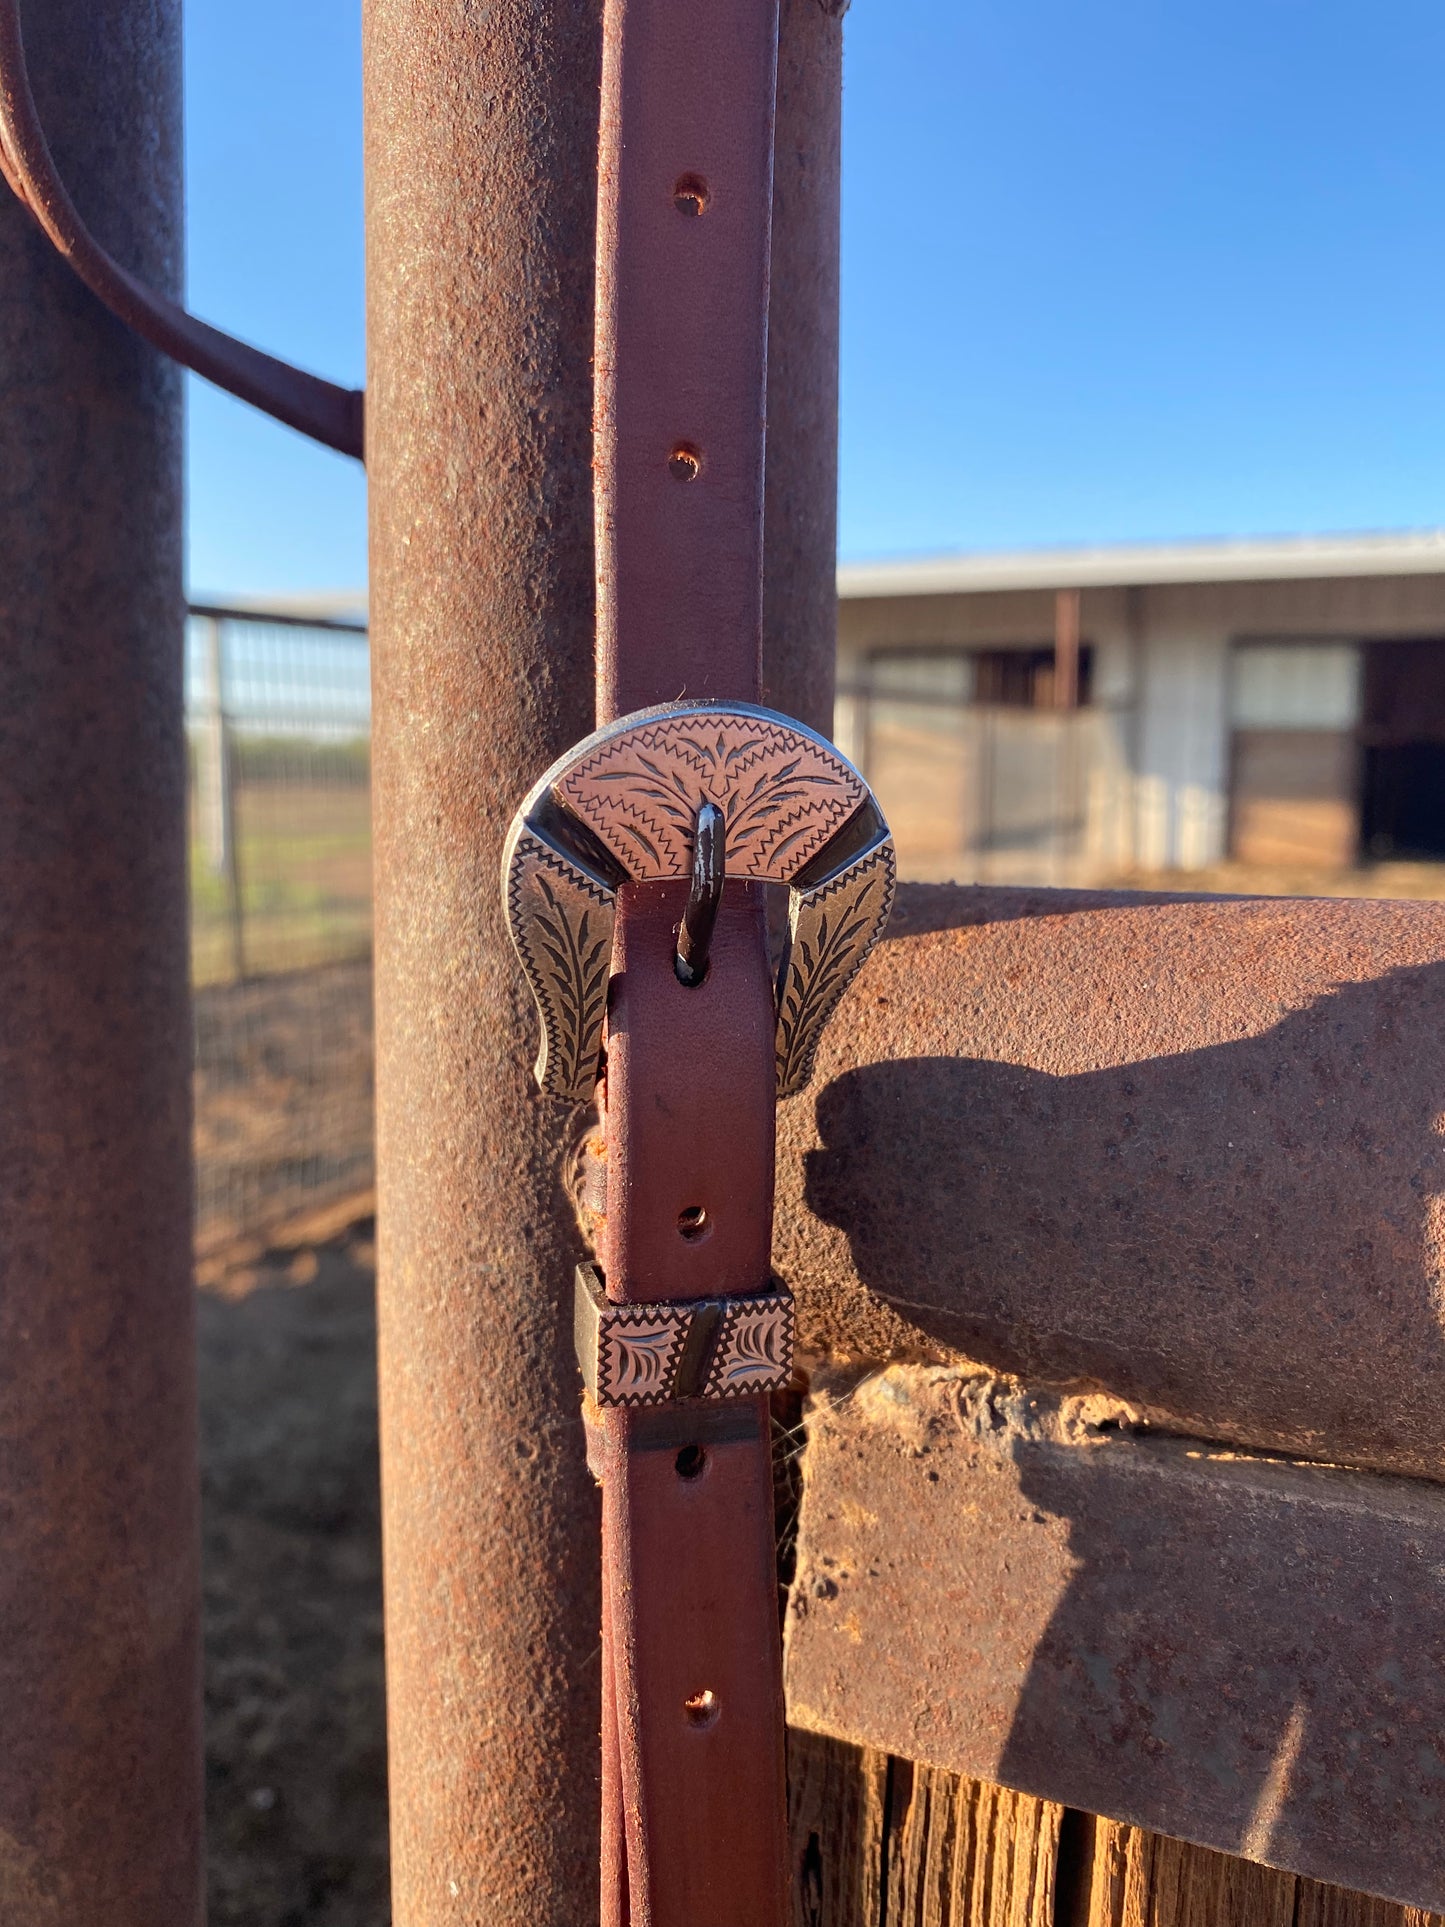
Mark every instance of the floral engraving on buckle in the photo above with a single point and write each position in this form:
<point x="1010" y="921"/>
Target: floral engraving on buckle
<point x="783" y="792"/>
<point x="831" y="928"/>
<point x="561" y="917"/>
<point x="625" y="806"/>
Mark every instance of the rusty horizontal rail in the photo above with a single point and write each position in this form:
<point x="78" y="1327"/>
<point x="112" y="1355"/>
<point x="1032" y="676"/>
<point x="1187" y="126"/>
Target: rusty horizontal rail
<point x="1241" y="1652"/>
<point x="277" y="618"/>
<point x="1188" y="1150"/>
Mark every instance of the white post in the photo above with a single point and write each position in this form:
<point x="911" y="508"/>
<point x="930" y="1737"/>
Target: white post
<point x="215" y="795"/>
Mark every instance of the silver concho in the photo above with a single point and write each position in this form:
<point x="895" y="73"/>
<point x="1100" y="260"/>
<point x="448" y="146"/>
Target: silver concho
<point x="622" y="805"/>
<point x="651" y="1354"/>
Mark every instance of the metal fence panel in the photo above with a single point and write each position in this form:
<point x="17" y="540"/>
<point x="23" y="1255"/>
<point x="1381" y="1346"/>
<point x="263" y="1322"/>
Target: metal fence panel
<point x="279" y="726"/>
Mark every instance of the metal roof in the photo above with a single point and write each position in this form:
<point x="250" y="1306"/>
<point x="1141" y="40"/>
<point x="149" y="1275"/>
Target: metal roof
<point x="347" y="606"/>
<point x="1249" y="559"/>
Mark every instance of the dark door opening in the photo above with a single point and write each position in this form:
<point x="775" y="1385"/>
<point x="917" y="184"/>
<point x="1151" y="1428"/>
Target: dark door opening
<point x="1403" y="738"/>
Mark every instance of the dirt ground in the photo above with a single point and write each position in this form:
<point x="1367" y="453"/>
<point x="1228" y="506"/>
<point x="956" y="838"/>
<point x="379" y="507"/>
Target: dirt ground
<point x="295" y="1729"/>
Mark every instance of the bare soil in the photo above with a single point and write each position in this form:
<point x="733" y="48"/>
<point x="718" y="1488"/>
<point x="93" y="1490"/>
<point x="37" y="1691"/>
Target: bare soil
<point x="295" y="1726"/>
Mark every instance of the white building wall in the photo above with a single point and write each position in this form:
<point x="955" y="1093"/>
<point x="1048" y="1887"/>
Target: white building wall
<point x="1159" y="720"/>
<point x="1181" y="802"/>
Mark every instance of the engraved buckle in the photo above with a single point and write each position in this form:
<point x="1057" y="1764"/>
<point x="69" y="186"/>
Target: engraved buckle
<point x="653" y="1354"/>
<point x="623" y="806"/>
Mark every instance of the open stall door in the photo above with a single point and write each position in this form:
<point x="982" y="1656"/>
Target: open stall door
<point x="1294" y="757"/>
<point x="1404" y="749"/>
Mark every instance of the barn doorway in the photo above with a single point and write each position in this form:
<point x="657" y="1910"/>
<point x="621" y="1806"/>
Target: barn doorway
<point x="1294" y="757"/>
<point x="1403" y="741"/>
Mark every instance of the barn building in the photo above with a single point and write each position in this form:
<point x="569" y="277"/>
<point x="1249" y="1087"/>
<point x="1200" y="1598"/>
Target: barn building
<point x="1074" y="714"/>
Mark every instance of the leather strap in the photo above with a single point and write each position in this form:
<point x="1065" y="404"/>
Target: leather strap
<point x="634" y="875"/>
<point x="693" y="1741"/>
<point x="688" y="94"/>
<point x="688" y="1547"/>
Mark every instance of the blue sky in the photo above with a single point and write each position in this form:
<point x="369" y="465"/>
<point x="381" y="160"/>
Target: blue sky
<point x="1132" y="269"/>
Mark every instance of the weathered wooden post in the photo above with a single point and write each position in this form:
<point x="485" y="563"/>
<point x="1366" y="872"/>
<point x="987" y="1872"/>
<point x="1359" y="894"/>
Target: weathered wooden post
<point x="482" y="144"/>
<point x="100" y="1783"/>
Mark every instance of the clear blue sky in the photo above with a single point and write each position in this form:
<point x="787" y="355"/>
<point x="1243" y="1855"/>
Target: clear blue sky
<point x="1135" y="268"/>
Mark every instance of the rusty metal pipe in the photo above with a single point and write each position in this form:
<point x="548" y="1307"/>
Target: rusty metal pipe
<point x="1188" y="1151"/>
<point x="100" y="1781"/>
<point x="481" y="135"/>
<point x="320" y="409"/>
<point x="800" y="511"/>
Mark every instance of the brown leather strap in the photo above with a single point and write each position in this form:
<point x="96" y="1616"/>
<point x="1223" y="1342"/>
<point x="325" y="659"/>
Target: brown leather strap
<point x="687" y="1492"/>
<point x="692" y="1754"/>
<point x="682" y="302"/>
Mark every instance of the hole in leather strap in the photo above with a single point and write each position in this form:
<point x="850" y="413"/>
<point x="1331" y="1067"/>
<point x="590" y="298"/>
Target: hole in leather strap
<point x="702" y="1708"/>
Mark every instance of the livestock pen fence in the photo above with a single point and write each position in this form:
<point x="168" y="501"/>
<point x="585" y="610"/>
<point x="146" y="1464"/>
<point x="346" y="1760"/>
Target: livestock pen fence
<point x="278" y="723"/>
<point x="279" y="727"/>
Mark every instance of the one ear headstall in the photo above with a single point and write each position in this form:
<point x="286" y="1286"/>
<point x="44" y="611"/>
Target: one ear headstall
<point x="626" y="806"/>
<point x="635" y="876"/>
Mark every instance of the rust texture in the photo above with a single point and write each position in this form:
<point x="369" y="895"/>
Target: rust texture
<point x="1185" y="1150"/>
<point x="321" y="409"/>
<point x="481" y="140"/>
<point x="1243" y="1652"/>
<point x="100" y="1775"/>
<point x="481" y="159"/>
<point x="800" y="505"/>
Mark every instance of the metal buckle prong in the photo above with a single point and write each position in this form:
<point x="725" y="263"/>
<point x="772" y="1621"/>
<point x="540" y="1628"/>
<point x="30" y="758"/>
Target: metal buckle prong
<point x="709" y="872"/>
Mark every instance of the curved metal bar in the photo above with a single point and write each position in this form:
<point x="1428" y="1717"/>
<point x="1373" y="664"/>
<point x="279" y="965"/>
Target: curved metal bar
<point x="321" y="409"/>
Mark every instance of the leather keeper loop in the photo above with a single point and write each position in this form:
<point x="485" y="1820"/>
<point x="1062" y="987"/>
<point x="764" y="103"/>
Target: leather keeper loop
<point x="674" y="1350"/>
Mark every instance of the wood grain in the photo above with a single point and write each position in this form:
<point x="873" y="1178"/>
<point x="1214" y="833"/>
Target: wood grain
<point x="836" y="1814"/>
<point x="883" y="1842"/>
<point x="1141" y="1879"/>
<point x="961" y="1853"/>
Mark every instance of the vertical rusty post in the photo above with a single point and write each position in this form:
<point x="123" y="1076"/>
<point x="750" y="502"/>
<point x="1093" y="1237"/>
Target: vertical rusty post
<point x="481" y="145"/>
<point x="1067" y="837"/>
<point x="100" y="1780"/>
<point x="800" y="529"/>
<point x="481" y="161"/>
<point x="1066" y="649"/>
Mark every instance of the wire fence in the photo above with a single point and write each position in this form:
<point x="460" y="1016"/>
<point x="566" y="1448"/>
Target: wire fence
<point x="278" y="721"/>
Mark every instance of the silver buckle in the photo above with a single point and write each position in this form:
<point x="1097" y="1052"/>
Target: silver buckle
<point x="623" y="807"/>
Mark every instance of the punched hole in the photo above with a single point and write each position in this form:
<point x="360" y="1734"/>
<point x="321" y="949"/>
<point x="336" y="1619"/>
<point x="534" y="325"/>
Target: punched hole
<point x="689" y="196"/>
<point x="702" y="1708"/>
<point x="690" y="1462"/>
<point x="684" y="464"/>
<point x="693" y="1222"/>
